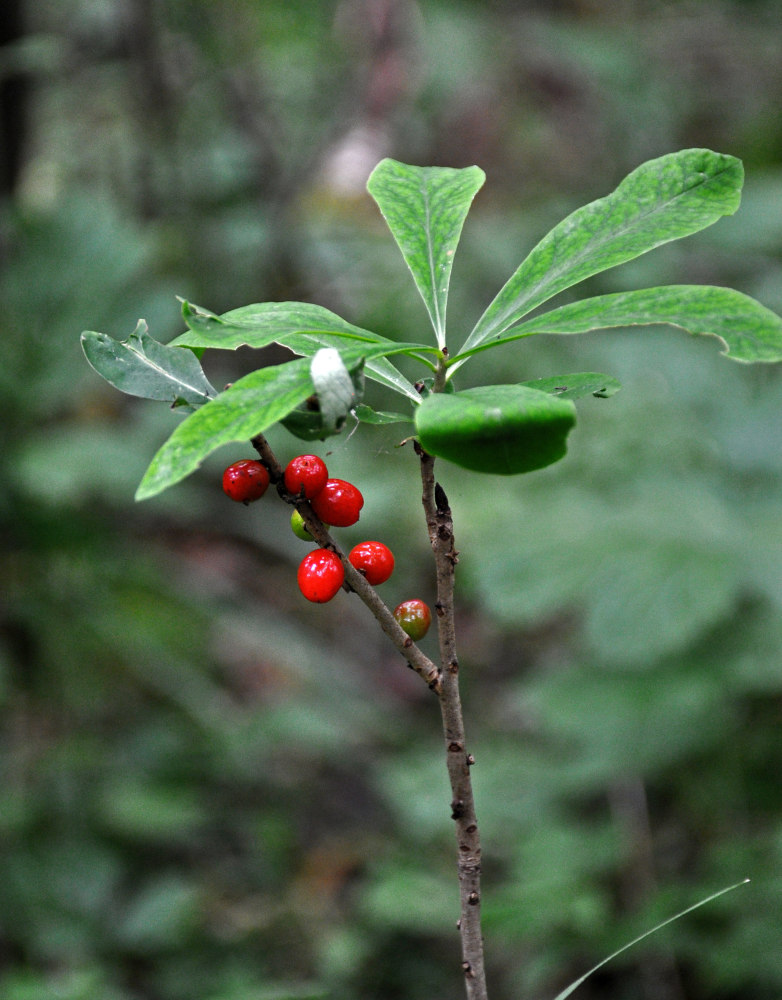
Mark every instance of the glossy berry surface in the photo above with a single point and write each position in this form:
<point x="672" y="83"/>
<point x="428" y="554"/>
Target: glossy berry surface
<point x="415" y="618"/>
<point x="306" y="474"/>
<point x="320" y="575"/>
<point x="374" y="560"/>
<point x="245" y="481"/>
<point x="338" y="503"/>
<point x="299" y="528"/>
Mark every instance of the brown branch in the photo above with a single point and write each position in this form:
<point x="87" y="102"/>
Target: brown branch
<point x="354" y="580"/>
<point x="444" y="681"/>
<point x="440" y="526"/>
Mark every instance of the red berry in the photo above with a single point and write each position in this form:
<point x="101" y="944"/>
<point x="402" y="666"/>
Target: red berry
<point x="374" y="560"/>
<point x="306" y="474"/>
<point x="415" y="618"/>
<point x="320" y="575"/>
<point x="245" y="480"/>
<point x="338" y="503"/>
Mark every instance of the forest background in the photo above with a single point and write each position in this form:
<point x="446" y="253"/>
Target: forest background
<point x="212" y="789"/>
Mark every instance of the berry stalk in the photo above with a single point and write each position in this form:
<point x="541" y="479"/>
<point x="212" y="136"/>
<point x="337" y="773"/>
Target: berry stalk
<point x="354" y="580"/>
<point x="444" y="681"/>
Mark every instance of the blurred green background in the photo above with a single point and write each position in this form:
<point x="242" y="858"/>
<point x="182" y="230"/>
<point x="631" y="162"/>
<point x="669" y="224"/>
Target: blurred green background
<point x="214" y="791"/>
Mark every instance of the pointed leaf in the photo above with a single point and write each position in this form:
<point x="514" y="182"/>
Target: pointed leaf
<point x="140" y="366"/>
<point x="301" y="326"/>
<point x="251" y="405"/>
<point x="749" y="331"/>
<point x="425" y="208"/>
<point x="577" y="385"/>
<point x="662" y="200"/>
<point x="500" y="429"/>
<point x="366" y="415"/>
<point x="574" y="986"/>
<point x="261" y="324"/>
<point x="247" y="408"/>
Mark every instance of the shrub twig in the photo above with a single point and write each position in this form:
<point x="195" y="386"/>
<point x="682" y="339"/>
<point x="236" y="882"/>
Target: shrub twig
<point x="444" y="681"/>
<point x="354" y="580"/>
<point x="439" y="523"/>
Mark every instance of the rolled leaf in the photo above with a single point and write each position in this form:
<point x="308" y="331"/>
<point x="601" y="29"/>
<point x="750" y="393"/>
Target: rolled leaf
<point x="500" y="429"/>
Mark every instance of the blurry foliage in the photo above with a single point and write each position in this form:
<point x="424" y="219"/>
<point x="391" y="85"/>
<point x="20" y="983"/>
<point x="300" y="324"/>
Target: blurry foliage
<point x="211" y="791"/>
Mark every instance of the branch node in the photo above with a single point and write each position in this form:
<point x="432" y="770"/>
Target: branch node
<point x="457" y="809"/>
<point x="441" y="500"/>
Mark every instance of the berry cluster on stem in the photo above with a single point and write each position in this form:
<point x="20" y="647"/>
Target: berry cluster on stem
<point x="354" y="579"/>
<point x="327" y="569"/>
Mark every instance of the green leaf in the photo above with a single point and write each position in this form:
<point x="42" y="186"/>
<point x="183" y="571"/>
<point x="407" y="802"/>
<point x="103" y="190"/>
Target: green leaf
<point x="301" y="326"/>
<point x="574" y="986"/>
<point x="142" y="367"/>
<point x="577" y="385"/>
<point x="504" y="429"/>
<point x="366" y="415"/>
<point x="425" y="208"/>
<point x="662" y="200"/>
<point x="248" y="407"/>
<point x="749" y="331"/>
<point x="261" y="324"/>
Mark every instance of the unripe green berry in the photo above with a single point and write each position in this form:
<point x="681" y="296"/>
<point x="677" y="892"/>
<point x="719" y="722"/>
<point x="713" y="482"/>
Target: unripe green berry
<point x="299" y="528"/>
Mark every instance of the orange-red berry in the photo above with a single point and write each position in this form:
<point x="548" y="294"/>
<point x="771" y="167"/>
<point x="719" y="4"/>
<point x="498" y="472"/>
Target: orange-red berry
<point x="374" y="559"/>
<point x="306" y="474"/>
<point x="245" y="480"/>
<point x="320" y="575"/>
<point x="338" y="503"/>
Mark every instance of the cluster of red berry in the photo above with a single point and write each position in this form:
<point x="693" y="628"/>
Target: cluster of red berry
<point x="337" y="503"/>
